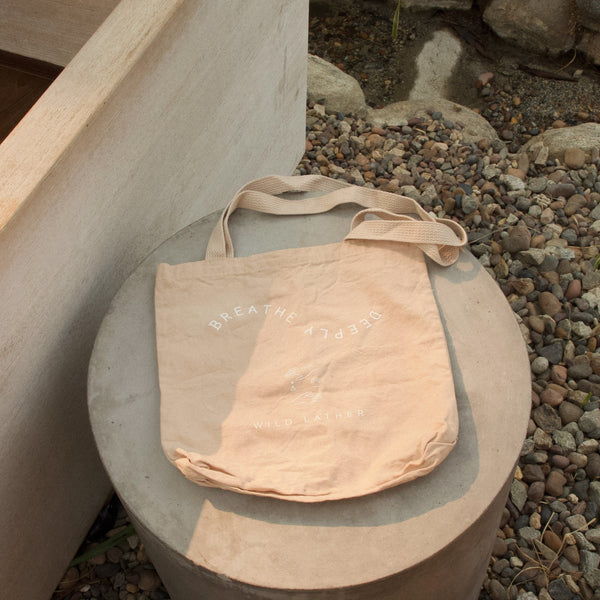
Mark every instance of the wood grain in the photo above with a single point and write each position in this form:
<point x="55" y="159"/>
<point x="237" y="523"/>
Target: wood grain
<point x="50" y="30"/>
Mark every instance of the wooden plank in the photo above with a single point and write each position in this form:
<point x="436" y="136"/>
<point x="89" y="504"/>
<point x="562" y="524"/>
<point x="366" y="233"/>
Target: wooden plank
<point x="50" y="30"/>
<point x="167" y="109"/>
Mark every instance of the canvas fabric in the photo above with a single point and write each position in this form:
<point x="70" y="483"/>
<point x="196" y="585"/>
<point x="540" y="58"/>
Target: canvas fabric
<point x="309" y="374"/>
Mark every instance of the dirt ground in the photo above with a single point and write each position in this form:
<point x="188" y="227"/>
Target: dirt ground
<point x="356" y="36"/>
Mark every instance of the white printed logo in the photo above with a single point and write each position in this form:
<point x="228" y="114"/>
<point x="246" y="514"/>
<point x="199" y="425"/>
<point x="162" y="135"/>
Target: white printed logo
<point x="304" y="385"/>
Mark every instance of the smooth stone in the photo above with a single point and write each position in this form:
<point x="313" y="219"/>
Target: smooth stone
<point x="553" y="352"/>
<point x="107" y="570"/>
<point x="537" y="184"/>
<point x="536" y="491"/>
<point x="539" y="365"/>
<point x="552" y="540"/>
<point x="559" y="374"/>
<point x="565" y="190"/>
<point x="574" y="158"/>
<point x="573" y="289"/>
<point x="549" y="303"/>
<point x="551" y="397"/>
<point x="330" y="86"/>
<point x="554" y="484"/>
<point x="537" y="324"/>
<point x="581" y="369"/>
<point x="562" y="462"/>
<point x="533" y="473"/>
<point x="593" y="535"/>
<point x="592" y="468"/>
<point x="518" y="239"/>
<point x="497" y="590"/>
<point x="575" y="202"/>
<point x="570" y="552"/>
<point x="569" y="412"/>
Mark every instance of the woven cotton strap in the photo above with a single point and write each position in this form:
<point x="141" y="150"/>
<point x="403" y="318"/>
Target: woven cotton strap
<point x="440" y="239"/>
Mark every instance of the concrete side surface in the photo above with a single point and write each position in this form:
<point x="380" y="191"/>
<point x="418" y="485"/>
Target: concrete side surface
<point x="167" y="109"/>
<point x="50" y="30"/>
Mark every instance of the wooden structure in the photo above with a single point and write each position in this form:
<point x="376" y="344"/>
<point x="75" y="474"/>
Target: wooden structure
<point x="164" y="108"/>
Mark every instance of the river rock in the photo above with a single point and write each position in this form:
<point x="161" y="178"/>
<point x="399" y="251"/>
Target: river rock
<point x="523" y="23"/>
<point x="553" y="352"/>
<point x="554" y="483"/>
<point x="574" y="158"/>
<point x="585" y="137"/>
<point x="569" y="412"/>
<point x="398" y="113"/>
<point x="518" y="239"/>
<point x="336" y="90"/>
<point x="549" y="303"/>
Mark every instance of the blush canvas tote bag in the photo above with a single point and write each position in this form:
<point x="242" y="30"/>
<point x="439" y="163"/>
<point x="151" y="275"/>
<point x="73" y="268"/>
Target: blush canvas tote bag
<point x="315" y="373"/>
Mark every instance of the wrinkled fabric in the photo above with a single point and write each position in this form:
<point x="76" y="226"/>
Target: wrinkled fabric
<point x="306" y="374"/>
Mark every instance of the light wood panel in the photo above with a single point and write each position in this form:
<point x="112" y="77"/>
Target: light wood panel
<point x="167" y="109"/>
<point x="50" y="30"/>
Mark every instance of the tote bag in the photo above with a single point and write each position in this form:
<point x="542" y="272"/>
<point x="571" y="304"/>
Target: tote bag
<point x="315" y="373"/>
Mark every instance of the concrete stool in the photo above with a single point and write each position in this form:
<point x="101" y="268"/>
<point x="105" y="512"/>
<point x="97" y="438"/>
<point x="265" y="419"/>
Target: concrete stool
<point x="426" y="540"/>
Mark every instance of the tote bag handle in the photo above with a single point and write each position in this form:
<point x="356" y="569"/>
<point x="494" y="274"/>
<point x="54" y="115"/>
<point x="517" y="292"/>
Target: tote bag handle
<point x="440" y="239"/>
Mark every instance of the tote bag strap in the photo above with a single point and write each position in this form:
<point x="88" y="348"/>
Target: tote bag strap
<point x="440" y="239"/>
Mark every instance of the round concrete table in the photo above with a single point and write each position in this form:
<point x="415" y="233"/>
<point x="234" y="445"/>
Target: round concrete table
<point x="425" y="540"/>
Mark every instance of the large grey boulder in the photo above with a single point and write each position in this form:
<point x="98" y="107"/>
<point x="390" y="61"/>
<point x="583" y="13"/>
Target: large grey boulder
<point x="586" y="137"/>
<point x="336" y="90"/>
<point x="590" y="45"/>
<point x="541" y="26"/>
<point x="475" y="126"/>
<point x="589" y="14"/>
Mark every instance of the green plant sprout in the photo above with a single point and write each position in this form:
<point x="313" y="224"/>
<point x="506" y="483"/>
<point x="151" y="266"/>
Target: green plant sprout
<point x="104" y="546"/>
<point x="396" y="20"/>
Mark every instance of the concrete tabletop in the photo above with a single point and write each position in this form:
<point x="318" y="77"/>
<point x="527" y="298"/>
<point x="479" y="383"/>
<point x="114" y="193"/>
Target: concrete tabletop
<point x="281" y="545"/>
